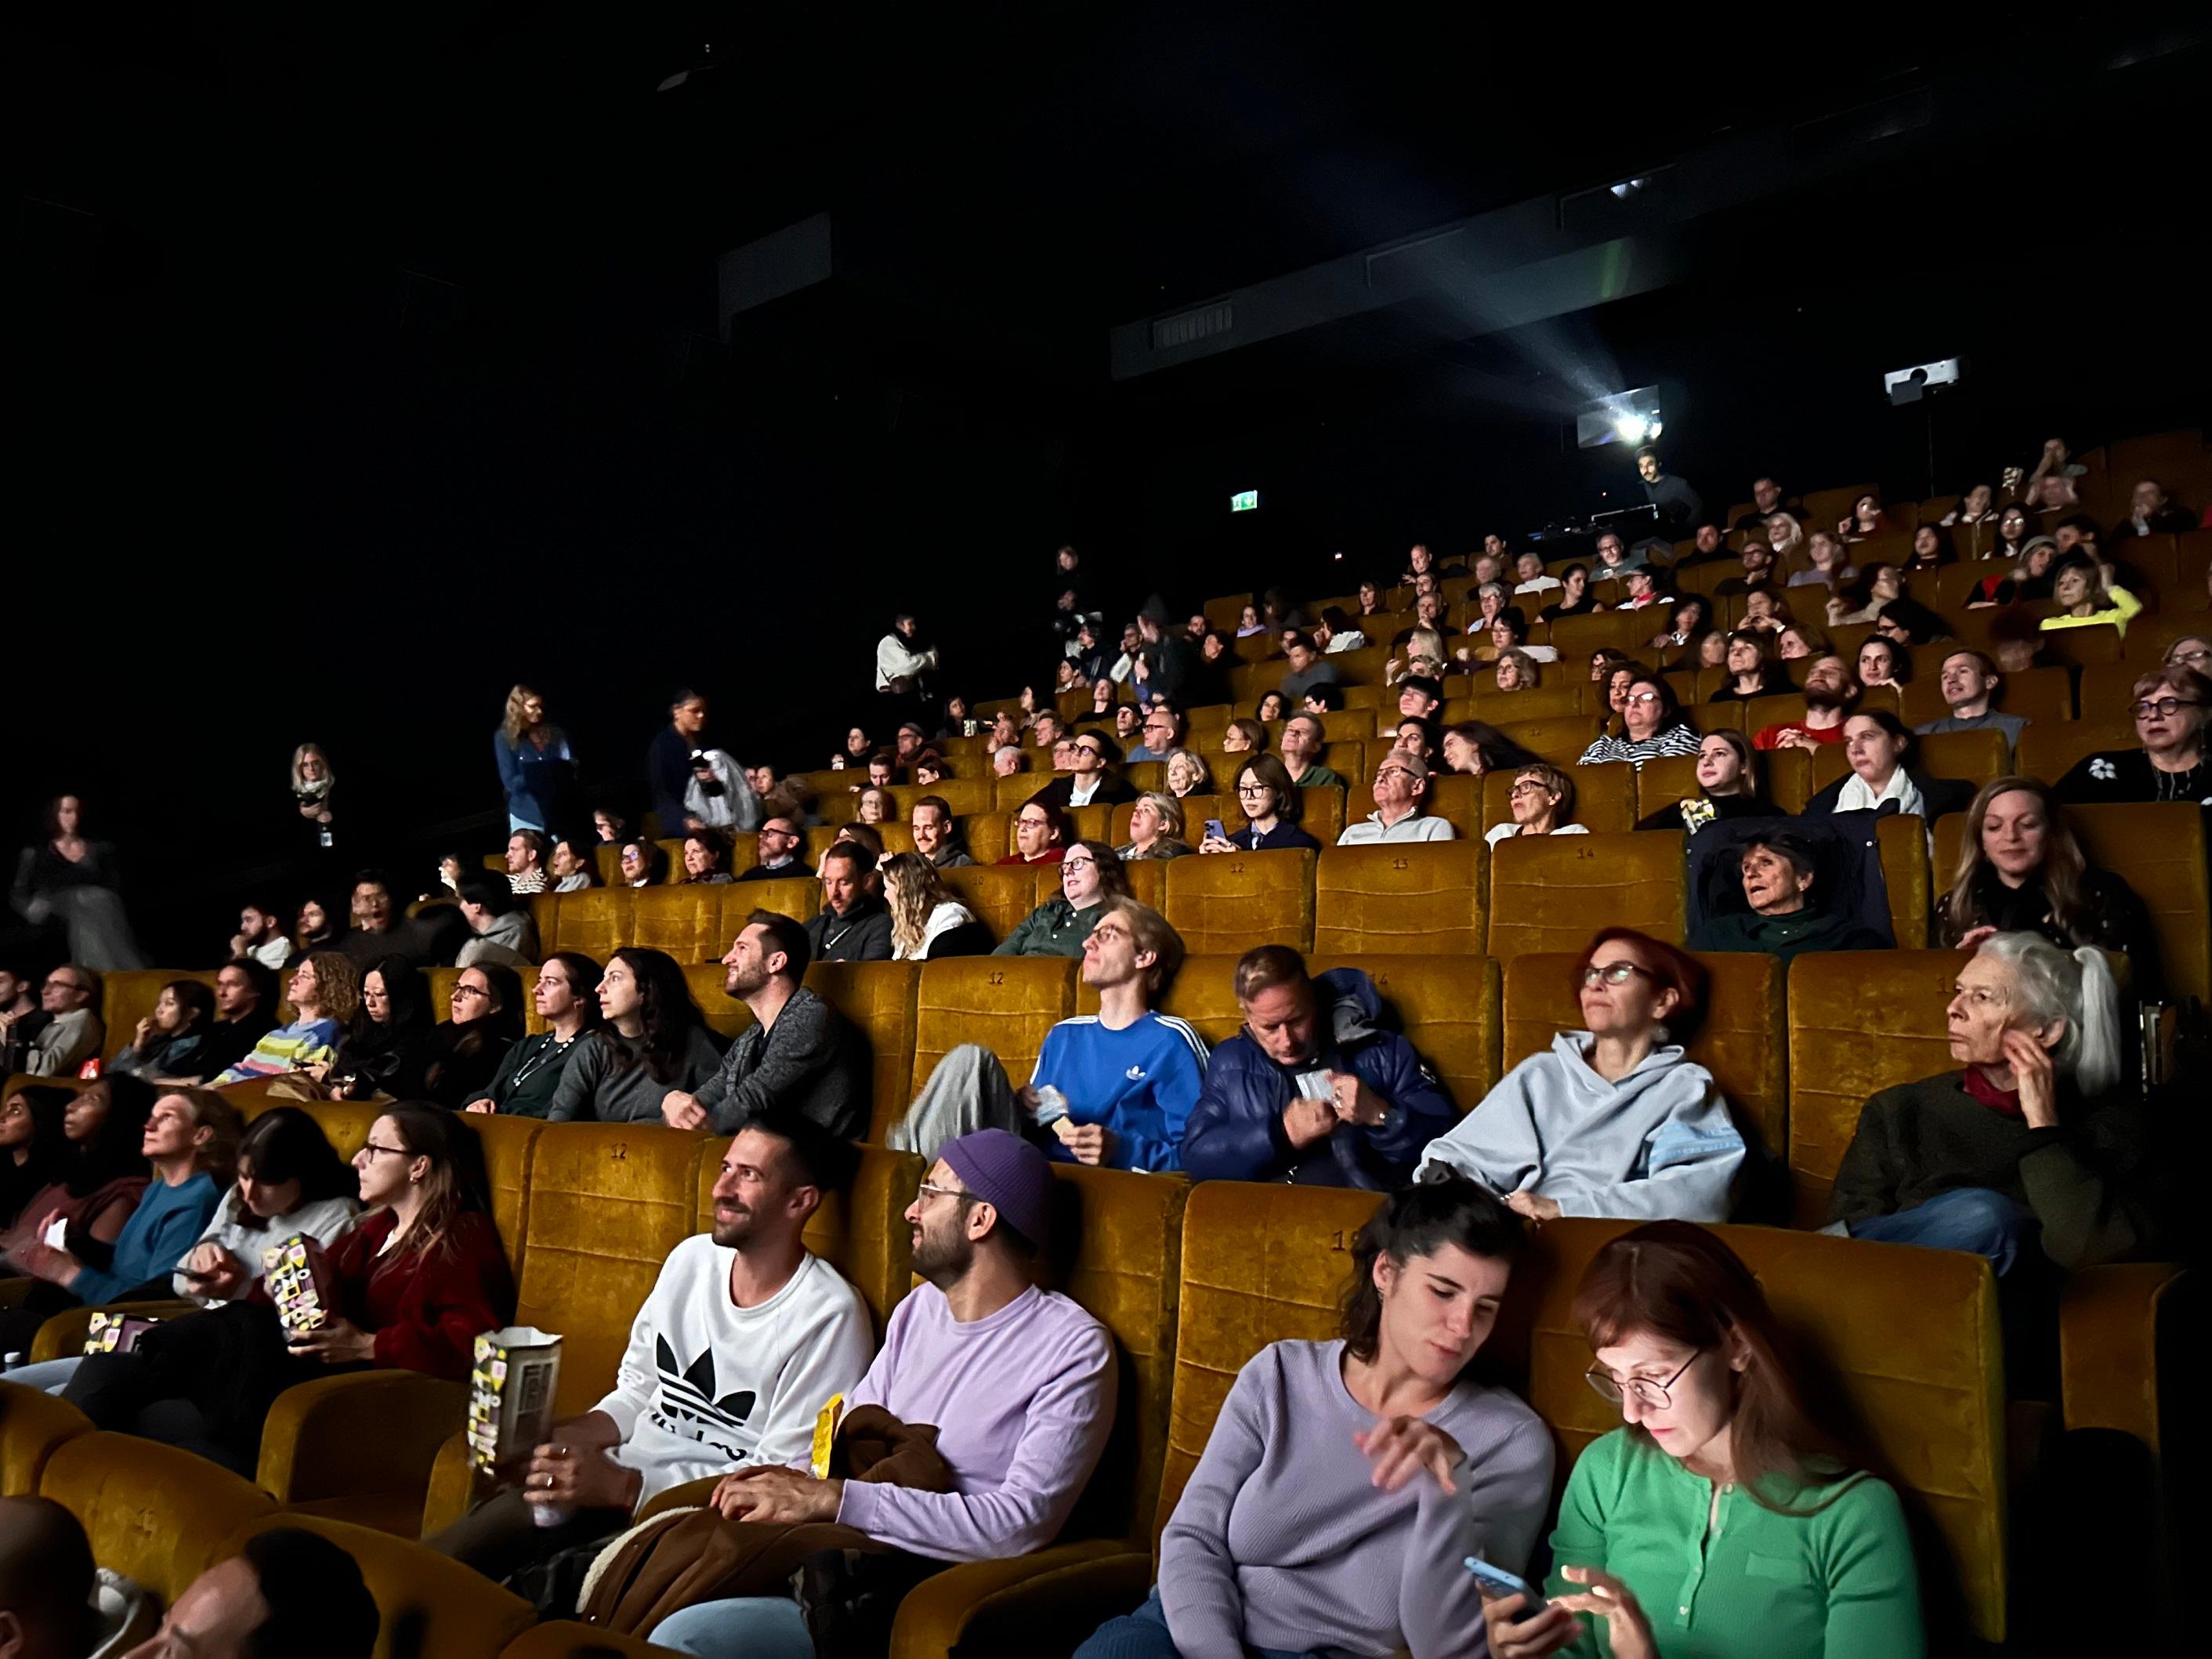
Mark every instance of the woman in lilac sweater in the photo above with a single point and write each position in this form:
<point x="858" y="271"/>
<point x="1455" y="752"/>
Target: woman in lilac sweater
<point x="1345" y="1481"/>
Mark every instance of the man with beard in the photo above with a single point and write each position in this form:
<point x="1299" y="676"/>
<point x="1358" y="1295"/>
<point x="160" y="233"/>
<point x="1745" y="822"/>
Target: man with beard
<point x="1831" y="690"/>
<point x="800" y="1054"/>
<point x="744" y="1337"/>
<point x="1019" y="1382"/>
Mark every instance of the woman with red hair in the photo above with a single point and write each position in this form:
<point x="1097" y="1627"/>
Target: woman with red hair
<point x="1719" y="1519"/>
<point x="1614" y="1120"/>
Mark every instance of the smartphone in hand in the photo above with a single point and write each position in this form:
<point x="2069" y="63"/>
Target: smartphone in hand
<point x="1496" y="1581"/>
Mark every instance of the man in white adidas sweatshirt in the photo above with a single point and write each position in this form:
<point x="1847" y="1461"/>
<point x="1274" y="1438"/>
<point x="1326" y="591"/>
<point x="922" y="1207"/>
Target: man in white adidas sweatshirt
<point x="744" y="1339"/>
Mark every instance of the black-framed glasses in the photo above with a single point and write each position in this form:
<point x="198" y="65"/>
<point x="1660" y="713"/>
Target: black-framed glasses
<point x="375" y="1151"/>
<point x="1653" y="1396"/>
<point x="460" y="991"/>
<point x="1614" y="973"/>
<point x="2166" y="706"/>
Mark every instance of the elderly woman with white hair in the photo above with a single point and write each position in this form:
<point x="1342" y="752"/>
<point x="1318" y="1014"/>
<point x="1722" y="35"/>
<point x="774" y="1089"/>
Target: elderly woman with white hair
<point x="2033" y="1139"/>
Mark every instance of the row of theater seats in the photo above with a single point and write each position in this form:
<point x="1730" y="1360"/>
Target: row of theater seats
<point x="1191" y="1282"/>
<point x="1457" y="898"/>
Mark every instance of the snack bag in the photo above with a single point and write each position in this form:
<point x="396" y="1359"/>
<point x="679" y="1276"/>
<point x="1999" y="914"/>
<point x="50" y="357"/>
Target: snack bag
<point x="511" y="1384"/>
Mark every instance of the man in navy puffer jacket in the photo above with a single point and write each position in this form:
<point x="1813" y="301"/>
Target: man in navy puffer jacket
<point x="1312" y="1090"/>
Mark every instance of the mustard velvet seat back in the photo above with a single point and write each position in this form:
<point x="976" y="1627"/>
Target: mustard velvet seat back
<point x="1418" y="896"/>
<point x="999" y="895"/>
<point x="1551" y="892"/>
<point x="2049" y="751"/>
<point x="878" y="999"/>
<point x="595" y="923"/>
<point x="796" y="897"/>
<point x="1447" y="1007"/>
<point x="1007" y="1003"/>
<point x="153" y="1513"/>
<point x="685" y="922"/>
<point x="432" y="1607"/>
<point x="33" y="1426"/>
<point x="1229" y="901"/>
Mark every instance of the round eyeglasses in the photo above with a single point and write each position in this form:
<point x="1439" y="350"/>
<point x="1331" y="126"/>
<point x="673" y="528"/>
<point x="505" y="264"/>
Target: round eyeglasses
<point x="1652" y="1396"/>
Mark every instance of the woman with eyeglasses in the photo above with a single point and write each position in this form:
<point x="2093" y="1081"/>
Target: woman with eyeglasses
<point x="567" y="998"/>
<point x="409" y="1287"/>
<point x="1344" y="1482"/>
<point x="1613" y="1120"/>
<point x="466" y="1049"/>
<point x="1041" y="832"/>
<point x="1271" y="807"/>
<point x="1089" y="875"/>
<point x="1718" y="1469"/>
<point x="1542" y="800"/>
<point x="1652" y="722"/>
<point x="2168" y="705"/>
<point x="385" y="1046"/>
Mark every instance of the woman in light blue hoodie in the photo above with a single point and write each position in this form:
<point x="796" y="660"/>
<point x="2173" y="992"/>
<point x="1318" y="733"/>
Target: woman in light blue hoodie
<point x="1613" y="1120"/>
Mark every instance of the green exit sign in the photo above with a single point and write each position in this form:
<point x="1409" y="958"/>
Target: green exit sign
<point x="1244" y="501"/>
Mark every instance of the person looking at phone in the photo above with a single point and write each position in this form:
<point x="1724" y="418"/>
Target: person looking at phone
<point x="1798" y="1552"/>
<point x="1344" y="1482"/>
<point x="1271" y="808"/>
<point x="1312" y="1090"/>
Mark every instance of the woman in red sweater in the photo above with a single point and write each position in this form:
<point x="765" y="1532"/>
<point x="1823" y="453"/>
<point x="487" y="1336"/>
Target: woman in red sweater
<point x="411" y="1285"/>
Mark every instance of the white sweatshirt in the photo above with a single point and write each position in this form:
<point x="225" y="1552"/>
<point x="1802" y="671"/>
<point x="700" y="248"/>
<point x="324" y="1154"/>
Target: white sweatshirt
<point x="322" y="1220"/>
<point x="1659" y="1144"/>
<point x="705" y="1385"/>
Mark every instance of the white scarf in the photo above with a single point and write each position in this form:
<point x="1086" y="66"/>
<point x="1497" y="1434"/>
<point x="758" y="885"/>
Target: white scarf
<point x="1858" y="798"/>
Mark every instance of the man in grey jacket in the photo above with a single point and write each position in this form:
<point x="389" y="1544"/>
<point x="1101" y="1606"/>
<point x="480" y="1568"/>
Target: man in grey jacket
<point x="800" y="1054"/>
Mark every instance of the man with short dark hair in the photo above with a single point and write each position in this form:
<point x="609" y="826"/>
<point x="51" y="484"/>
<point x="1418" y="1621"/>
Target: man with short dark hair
<point x="1758" y="557"/>
<point x="778" y="847"/>
<point x="1831" y="690"/>
<point x="852" y="924"/>
<point x="506" y="932"/>
<point x="45" y="1582"/>
<point x="245" y="998"/>
<point x="1163" y="729"/>
<point x="526" y="850"/>
<point x="1768" y="499"/>
<point x="261" y="934"/>
<point x="1091" y="779"/>
<point x="1308" y="668"/>
<point x="799" y="1055"/>
<point x="287" y="1591"/>
<point x="1419" y="696"/>
<point x="1312" y="1090"/>
<point x="1167" y="661"/>
<point x="931" y="824"/>
<point x="1678" y="505"/>
<point x="1304" y="736"/>
<point x="1780" y="873"/>
<point x="381" y="929"/>
<point x="1970" y="683"/>
<point x="1709" y="545"/>
<point x="668" y="759"/>
<point x="1018" y="1382"/>
<point x="743" y="1337"/>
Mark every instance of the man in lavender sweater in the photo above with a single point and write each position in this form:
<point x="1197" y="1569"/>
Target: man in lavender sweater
<point x="1345" y="1482"/>
<point x="1019" y="1382"/>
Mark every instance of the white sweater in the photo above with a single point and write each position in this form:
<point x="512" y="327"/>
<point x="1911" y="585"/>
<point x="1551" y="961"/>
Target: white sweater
<point x="1659" y="1144"/>
<point x="322" y="1220"/>
<point x="705" y="1385"/>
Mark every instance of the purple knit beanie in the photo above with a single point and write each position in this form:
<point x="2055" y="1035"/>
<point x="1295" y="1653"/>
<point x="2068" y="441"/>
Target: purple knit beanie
<point x="1007" y="1173"/>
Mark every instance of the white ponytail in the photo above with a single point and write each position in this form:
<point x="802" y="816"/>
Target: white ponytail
<point x="2097" y="1063"/>
<point x="2077" y="988"/>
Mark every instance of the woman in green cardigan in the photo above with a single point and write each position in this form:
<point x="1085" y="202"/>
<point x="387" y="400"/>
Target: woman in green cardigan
<point x="1717" y="1521"/>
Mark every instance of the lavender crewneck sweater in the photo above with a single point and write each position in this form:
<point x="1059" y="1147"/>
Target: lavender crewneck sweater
<point x="1022" y="1401"/>
<point x="1280" y="1540"/>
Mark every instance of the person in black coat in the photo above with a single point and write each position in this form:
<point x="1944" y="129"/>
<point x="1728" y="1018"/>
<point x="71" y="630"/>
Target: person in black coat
<point x="1092" y="775"/>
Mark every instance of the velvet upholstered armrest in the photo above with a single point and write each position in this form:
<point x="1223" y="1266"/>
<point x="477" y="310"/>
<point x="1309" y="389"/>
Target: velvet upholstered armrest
<point x="2114" y="1323"/>
<point x="358" y="1434"/>
<point x="452" y="1489"/>
<point x="1038" y="1604"/>
<point x="64" y="1334"/>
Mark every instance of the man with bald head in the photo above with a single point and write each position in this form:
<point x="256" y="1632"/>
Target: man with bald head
<point x="45" y="1582"/>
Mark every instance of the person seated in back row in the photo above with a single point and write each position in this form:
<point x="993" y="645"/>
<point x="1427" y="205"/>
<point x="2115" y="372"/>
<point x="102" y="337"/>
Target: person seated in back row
<point x="1400" y="790"/>
<point x="1020" y="1383"/>
<point x="1789" y="915"/>
<point x="1091" y="779"/>
<point x="1312" y="1090"/>
<point x="287" y="1590"/>
<point x="1884" y="776"/>
<point x="852" y="924"/>
<point x="744" y="1336"/>
<point x="1344" y="1482"/>
<point x="2169" y="708"/>
<point x="1614" y="1120"/>
<point x="1116" y="1088"/>
<point x="1272" y="809"/>
<point x="1970" y="683"/>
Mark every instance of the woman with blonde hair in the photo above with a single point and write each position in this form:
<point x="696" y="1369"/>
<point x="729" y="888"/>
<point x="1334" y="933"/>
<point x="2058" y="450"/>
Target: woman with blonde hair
<point x="1187" y="774"/>
<point x="312" y="782"/>
<point x="2020" y="870"/>
<point x="927" y="919"/>
<point x="1156" y="829"/>
<point x="535" y="766"/>
<point x="1516" y="671"/>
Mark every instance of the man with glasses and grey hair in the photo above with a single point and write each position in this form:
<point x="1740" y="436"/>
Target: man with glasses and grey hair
<point x="1402" y="784"/>
<point x="73" y="1032"/>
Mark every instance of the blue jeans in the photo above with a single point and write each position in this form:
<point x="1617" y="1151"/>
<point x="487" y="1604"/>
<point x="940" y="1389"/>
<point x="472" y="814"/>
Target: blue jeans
<point x="1144" y="1635"/>
<point x="746" y="1627"/>
<point x="1975" y="1219"/>
<point x="51" y="1374"/>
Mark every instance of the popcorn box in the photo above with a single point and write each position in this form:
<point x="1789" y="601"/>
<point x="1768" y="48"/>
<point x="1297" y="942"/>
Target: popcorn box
<point x="297" y="1278"/>
<point x="511" y="1383"/>
<point x="107" y="1332"/>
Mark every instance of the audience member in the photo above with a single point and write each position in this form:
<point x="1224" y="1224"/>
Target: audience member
<point x="1091" y="875"/>
<point x="1795" y="640"/>
<point x="1788" y="913"/>
<point x="1862" y="598"/>
<point x="325" y="994"/>
<point x="2021" y="870"/>
<point x="261" y="934"/>
<point x="1574" y="597"/>
<point x="610" y="827"/>
<point x="1337" y="633"/>
<point x="287" y="1590"/>
<point x="1308" y="666"/>
<point x="47" y="1579"/>
<point x="928" y="921"/>
<point x="743" y="1335"/>
<point x="1116" y="1087"/>
<point x="655" y="1039"/>
<point x="1040" y="833"/>
<point x="2151" y="512"/>
<point x="1419" y="696"/>
<point x="1757" y="559"/>
<point x="777" y="848"/>
<point x="66" y="1029"/>
<point x="1155" y="830"/>
<point x="1691" y="618"/>
<point x="2030" y="577"/>
<point x="1727" y="787"/>
<point x="2191" y="651"/>
<point x="1615" y="1120"/>
<point x="2085" y="599"/>
<point x="1272" y="707"/>
<point x="706" y="857"/>
<point x="1751" y="673"/>
<point x="1021" y="1382"/>
<point x="1476" y="749"/>
<point x="386" y="1043"/>
<point x="381" y="927"/>
<point x="1715" y="1441"/>
<point x="1272" y="809"/>
<point x="1826" y="564"/>
<point x="1167" y="661"/>
<point x="411" y="1286"/>
<point x="2168" y="705"/>
<point x="1881" y="664"/>
<point x="506" y="932"/>
<point x="1244" y="737"/>
<point x="1187" y="774"/>
<point x="1653" y="725"/>
<point x="571" y="867"/>
<point x="1092" y="781"/>
<point x="2035" y="1141"/>
<point x="537" y="767"/>
<point x="1313" y="1090"/>
<point x="167" y="1044"/>
<point x="526" y="850"/>
<point x="668" y="760"/>
<point x="1304" y="736"/>
<point x="1883" y="778"/>
<point x="1542" y="801"/>
<point x="1421" y="738"/>
<point x="1400" y="791"/>
<point x="102" y="1172"/>
<point x="1970" y="682"/>
<point x="566" y="997"/>
<point x="35" y="1151"/>
<point x="933" y="829"/>
<point x="466" y="1050"/>
<point x="1831" y="691"/>
<point x="1976" y="506"/>
<point x="852" y="924"/>
<point x="74" y="883"/>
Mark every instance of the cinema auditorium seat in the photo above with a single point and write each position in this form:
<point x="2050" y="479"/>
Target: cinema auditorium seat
<point x="999" y="895"/>
<point x="1008" y="1002"/>
<point x="1549" y="892"/>
<point x="1417" y="897"/>
<point x="877" y="998"/>
<point x="154" y="1514"/>
<point x="1222" y="903"/>
<point x="1447" y="1005"/>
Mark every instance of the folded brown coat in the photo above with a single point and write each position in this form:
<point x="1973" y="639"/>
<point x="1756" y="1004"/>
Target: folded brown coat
<point x="683" y="1557"/>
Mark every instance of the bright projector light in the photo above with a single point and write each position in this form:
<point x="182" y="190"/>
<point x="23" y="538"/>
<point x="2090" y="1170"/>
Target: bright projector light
<point x="1631" y="428"/>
